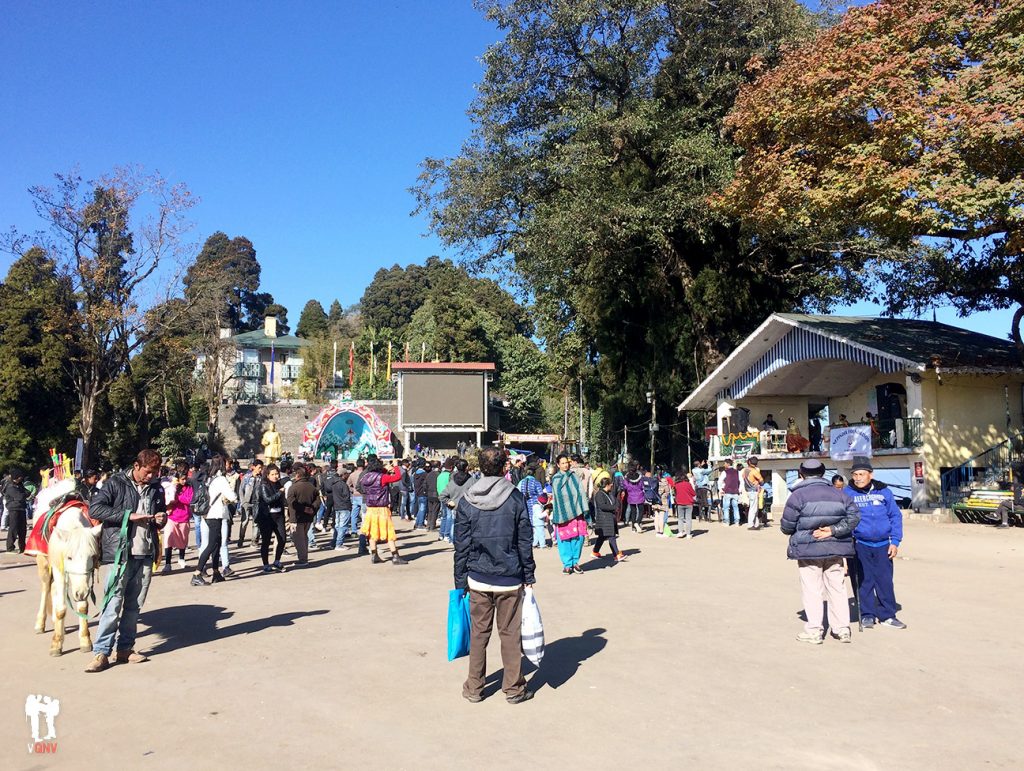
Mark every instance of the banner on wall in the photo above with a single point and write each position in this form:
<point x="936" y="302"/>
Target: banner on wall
<point x="741" y="446"/>
<point x="848" y="442"/>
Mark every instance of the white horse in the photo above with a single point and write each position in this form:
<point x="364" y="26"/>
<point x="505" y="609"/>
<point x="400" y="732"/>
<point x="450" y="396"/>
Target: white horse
<point x="67" y="568"/>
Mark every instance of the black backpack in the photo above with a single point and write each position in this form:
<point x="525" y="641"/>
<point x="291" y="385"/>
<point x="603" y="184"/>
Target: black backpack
<point x="200" y="505"/>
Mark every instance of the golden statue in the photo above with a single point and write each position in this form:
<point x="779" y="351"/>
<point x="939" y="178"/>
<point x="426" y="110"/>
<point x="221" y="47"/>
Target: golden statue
<point x="271" y="442"/>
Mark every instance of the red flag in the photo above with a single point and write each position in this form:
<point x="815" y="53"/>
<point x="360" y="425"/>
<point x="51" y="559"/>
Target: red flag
<point x="352" y="364"/>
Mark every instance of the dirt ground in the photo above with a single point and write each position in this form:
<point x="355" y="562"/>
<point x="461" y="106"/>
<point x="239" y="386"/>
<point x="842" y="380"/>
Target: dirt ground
<point x="685" y="655"/>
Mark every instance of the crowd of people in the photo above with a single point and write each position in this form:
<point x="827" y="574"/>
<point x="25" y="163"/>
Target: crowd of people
<point x="494" y="513"/>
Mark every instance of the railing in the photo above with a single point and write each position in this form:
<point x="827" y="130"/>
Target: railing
<point x="989" y="469"/>
<point x="913" y="432"/>
<point x="250" y="371"/>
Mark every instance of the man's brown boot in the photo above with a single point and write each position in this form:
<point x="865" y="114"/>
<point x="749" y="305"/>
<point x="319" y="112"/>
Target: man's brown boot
<point x="130" y="657"/>
<point x="98" y="663"/>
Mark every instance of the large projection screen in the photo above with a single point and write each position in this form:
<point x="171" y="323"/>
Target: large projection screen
<point x="443" y="399"/>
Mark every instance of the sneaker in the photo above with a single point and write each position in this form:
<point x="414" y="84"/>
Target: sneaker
<point x="227" y="572"/>
<point x="867" y="622"/>
<point x="682" y="535"/>
<point x="198" y="581"/>
<point x="524" y="696"/>
<point x="809" y="638"/>
<point x="1003" y="524"/>
<point x="396" y="560"/>
<point x="98" y="663"/>
<point x="267" y="569"/>
<point x="341" y="547"/>
<point x="318" y="527"/>
<point x="217" y="578"/>
<point x="278" y="567"/>
<point x="375" y="558"/>
<point x="660" y="535"/>
<point x="577" y="569"/>
<point x="472" y="698"/>
<point x="595" y="555"/>
<point x="894" y="623"/>
<point x="130" y="657"/>
<point x="166" y="568"/>
<point x="620" y="557"/>
<point x="844" y="636"/>
<point x="566" y="571"/>
<point x="181" y="563"/>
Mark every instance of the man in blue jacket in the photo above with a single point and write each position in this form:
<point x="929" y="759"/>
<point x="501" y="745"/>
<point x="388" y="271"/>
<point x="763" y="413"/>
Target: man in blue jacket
<point x="819" y="521"/>
<point x="878" y="537"/>
<point x="493" y="562"/>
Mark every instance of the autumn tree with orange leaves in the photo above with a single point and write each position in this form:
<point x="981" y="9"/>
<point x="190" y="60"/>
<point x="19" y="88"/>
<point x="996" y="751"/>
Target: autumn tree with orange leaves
<point x="906" y="121"/>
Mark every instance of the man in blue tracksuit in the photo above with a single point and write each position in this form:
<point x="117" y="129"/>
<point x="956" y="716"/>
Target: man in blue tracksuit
<point x="878" y="540"/>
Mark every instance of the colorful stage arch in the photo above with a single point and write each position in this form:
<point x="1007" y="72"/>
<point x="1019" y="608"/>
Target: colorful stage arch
<point x="345" y="431"/>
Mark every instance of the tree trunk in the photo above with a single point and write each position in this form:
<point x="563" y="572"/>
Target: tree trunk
<point x="85" y="425"/>
<point x="1018" y="315"/>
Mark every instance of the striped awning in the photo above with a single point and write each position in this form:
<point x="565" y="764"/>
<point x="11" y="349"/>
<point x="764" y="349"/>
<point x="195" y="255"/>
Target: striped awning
<point x="800" y="344"/>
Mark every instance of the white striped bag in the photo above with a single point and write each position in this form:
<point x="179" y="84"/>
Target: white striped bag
<point x="532" y="629"/>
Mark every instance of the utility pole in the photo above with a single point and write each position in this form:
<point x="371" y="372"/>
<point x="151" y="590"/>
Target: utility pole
<point x="654" y="422"/>
<point x="689" y="457"/>
<point x="625" y="443"/>
<point x="581" y="416"/>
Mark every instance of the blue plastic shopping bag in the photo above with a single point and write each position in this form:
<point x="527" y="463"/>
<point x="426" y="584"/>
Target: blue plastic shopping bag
<point x="458" y="624"/>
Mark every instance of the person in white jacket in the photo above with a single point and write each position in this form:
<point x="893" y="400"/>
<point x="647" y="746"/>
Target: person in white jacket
<point x="222" y="492"/>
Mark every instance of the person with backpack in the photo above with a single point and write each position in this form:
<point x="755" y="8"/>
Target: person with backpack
<point x="247" y="498"/>
<point x="220" y="493"/>
<point x="460" y="481"/>
<point x="341" y="503"/>
<point x="200" y="500"/>
<point x="533" y="490"/>
<point x="752" y="483"/>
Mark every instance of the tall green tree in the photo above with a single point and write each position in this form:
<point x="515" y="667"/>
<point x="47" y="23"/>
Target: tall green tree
<point x="281" y="314"/>
<point x="313" y="321"/>
<point x="110" y="238"/>
<point x="37" y="398"/>
<point x="904" y="121"/>
<point x="392" y="297"/>
<point x="598" y="139"/>
<point x="228" y="269"/>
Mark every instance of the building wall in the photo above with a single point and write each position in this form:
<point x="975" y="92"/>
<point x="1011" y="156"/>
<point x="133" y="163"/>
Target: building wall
<point x="964" y="416"/>
<point x="862" y="399"/>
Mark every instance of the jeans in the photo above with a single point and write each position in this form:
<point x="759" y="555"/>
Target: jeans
<point x="731" y="499"/>
<point x="421" y="510"/>
<point x="404" y="505"/>
<point x="874" y="573"/>
<point x="684" y="514"/>
<point x="197" y="528"/>
<point x="540" y="535"/>
<point x="342" y="520"/>
<point x="225" y="536"/>
<point x="447" y="520"/>
<point x="213" y="547"/>
<point x="357" y="512"/>
<point x="121" y="616"/>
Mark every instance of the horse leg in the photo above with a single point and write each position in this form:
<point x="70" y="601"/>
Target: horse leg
<point x="84" y="638"/>
<point x="58" y="594"/>
<point x="43" y="570"/>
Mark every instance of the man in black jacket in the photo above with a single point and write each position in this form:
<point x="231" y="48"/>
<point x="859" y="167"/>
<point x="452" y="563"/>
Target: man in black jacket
<point x="819" y="520"/>
<point x="129" y="503"/>
<point x="493" y="561"/>
<point x="16" y="498"/>
<point x="433" y="496"/>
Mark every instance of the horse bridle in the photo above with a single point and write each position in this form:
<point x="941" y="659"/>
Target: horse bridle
<point x="90" y="574"/>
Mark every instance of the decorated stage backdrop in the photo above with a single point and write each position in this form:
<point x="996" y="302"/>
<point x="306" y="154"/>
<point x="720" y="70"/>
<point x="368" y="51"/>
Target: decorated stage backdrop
<point x="346" y="430"/>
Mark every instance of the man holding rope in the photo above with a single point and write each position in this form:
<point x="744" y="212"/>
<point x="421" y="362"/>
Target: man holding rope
<point x="131" y="508"/>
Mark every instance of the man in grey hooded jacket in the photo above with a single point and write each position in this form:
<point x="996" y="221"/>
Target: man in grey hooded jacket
<point x="493" y="562"/>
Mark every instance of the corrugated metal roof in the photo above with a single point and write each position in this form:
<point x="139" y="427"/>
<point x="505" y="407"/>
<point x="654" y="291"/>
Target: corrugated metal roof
<point x="258" y="339"/>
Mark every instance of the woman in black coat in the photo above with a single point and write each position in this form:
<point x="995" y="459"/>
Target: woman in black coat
<point x="605" y="525"/>
<point x="270" y="516"/>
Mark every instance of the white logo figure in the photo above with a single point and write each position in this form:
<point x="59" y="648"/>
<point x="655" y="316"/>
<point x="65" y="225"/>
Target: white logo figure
<point x="36" y="705"/>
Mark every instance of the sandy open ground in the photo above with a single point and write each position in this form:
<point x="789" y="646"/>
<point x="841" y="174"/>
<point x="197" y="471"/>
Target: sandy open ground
<point x="685" y="655"/>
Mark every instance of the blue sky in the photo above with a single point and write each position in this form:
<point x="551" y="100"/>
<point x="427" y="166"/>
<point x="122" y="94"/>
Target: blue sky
<point x="299" y="125"/>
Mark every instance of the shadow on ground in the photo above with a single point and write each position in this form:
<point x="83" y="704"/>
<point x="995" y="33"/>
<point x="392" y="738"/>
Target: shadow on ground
<point x="183" y="626"/>
<point x="562" y="659"/>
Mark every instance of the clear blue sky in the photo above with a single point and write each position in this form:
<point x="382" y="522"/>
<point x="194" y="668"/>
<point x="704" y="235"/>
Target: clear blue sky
<point x="299" y="125"/>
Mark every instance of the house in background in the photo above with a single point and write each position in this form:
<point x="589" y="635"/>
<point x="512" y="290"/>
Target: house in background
<point x="938" y="408"/>
<point x="259" y="366"/>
